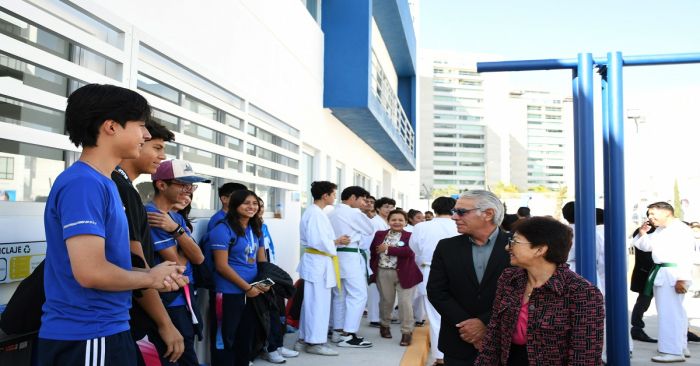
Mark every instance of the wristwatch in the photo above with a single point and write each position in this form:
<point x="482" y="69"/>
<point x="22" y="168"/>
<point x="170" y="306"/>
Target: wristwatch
<point x="177" y="232"/>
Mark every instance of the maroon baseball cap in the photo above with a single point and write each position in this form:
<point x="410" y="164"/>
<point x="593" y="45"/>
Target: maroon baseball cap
<point x="179" y="170"/>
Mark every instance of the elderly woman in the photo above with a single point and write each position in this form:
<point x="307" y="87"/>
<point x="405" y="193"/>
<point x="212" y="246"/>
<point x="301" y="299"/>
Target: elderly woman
<point x="543" y="314"/>
<point x="395" y="270"/>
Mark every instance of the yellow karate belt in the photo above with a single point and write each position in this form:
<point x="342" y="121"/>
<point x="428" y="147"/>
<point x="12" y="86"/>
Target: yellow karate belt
<point x="336" y="264"/>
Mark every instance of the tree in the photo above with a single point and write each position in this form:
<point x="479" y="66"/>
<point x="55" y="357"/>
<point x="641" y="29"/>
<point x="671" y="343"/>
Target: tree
<point x="445" y="192"/>
<point x="678" y="209"/>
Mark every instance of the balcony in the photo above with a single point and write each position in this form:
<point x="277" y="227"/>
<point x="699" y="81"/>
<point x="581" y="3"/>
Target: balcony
<point x="356" y="88"/>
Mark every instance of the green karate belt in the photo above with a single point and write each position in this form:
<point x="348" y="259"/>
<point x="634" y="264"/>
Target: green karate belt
<point x="649" y="287"/>
<point x="358" y="251"/>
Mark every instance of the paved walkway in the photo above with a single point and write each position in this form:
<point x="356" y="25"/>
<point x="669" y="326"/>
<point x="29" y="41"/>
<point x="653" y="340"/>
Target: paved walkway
<point x="385" y="352"/>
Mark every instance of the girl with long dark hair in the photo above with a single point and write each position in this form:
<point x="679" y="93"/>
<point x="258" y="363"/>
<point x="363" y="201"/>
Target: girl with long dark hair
<point x="236" y="246"/>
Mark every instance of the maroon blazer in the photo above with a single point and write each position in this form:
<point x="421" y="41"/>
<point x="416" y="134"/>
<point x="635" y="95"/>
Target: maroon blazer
<point x="406" y="267"/>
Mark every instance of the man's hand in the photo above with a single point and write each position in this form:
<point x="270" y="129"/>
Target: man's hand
<point x="472" y="331"/>
<point x="342" y="240"/>
<point x="173" y="340"/>
<point x="167" y="276"/>
<point x="681" y="287"/>
<point x="162" y="221"/>
<point x="644" y="229"/>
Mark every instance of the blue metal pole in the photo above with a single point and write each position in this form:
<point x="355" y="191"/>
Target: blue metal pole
<point x="615" y="248"/>
<point x="585" y="171"/>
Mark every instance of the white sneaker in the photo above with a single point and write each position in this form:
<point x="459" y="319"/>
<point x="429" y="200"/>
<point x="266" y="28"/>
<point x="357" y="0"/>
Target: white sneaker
<point x="287" y="353"/>
<point x="322" y="349"/>
<point x="686" y="352"/>
<point x="668" y="358"/>
<point x="299" y="346"/>
<point x="273" y="357"/>
<point x="338" y="337"/>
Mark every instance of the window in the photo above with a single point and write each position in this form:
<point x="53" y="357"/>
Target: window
<point x="271" y="138"/>
<point x="155" y="87"/>
<point x="233" y="143"/>
<point x="7" y="167"/>
<point x="534" y="108"/>
<point x="272" y="120"/>
<point x="272" y="156"/>
<point x="361" y="179"/>
<point x="232" y="121"/>
<point x="232" y="164"/>
<point x="198" y="156"/>
<point x="200" y="132"/>
<point x="553" y="109"/>
<point x="28" y="32"/>
<point x="168" y="120"/>
<point x="28" y="170"/>
<point x="269" y="173"/>
<point x="272" y="197"/>
<point x="30" y="115"/>
<point x="36" y="76"/>
<point x="199" y="107"/>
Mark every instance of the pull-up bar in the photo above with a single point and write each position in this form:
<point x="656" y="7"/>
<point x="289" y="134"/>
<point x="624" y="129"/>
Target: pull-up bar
<point x="610" y="69"/>
<point x="572" y="63"/>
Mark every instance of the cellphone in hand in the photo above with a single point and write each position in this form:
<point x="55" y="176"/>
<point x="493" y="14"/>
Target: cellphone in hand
<point x="266" y="282"/>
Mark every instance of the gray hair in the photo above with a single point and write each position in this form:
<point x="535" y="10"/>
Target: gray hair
<point x="485" y="200"/>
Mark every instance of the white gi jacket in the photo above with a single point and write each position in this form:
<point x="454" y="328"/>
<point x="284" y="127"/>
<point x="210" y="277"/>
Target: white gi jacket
<point x="423" y="241"/>
<point x="671" y="244"/>
<point x="316" y="232"/>
<point x="355" y="224"/>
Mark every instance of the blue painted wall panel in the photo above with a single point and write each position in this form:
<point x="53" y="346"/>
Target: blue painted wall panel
<point x="347" y="29"/>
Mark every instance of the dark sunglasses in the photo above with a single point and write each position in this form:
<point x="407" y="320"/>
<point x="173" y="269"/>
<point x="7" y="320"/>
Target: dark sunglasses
<point x="462" y="211"/>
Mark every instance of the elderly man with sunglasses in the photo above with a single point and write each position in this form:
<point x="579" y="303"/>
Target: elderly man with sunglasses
<point x="464" y="273"/>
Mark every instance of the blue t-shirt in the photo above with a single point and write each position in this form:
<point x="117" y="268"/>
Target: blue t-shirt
<point x="269" y="245"/>
<point x="163" y="240"/>
<point x="218" y="216"/>
<point x="83" y="202"/>
<point x="241" y="252"/>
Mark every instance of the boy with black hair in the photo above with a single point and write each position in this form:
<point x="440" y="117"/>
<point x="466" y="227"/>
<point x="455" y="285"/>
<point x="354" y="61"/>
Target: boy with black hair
<point x="382" y="207"/>
<point x="319" y="270"/>
<point x="224" y="193"/>
<point x="88" y="274"/>
<point x="348" y="305"/>
<point x="173" y="181"/>
<point x="148" y="315"/>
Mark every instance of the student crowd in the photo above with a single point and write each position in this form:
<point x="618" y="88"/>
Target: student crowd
<point x="492" y="295"/>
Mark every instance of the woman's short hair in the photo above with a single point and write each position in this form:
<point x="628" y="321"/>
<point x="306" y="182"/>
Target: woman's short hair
<point x="545" y="231"/>
<point x="398" y="212"/>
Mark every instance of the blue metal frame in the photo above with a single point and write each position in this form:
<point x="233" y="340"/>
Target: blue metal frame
<point x="615" y="236"/>
<point x="613" y="135"/>
<point x="584" y="155"/>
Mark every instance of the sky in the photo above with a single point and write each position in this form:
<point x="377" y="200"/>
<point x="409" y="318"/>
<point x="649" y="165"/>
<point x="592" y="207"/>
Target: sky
<point x="541" y="29"/>
<point x="669" y="96"/>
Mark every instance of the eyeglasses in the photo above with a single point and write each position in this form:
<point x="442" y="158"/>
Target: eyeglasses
<point x="512" y="242"/>
<point x="462" y="211"/>
<point x="185" y="187"/>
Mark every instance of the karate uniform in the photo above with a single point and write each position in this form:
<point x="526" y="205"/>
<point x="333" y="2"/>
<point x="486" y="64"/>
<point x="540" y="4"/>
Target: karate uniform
<point x="671" y="244"/>
<point x="318" y="274"/>
<point x="423" y="241"/>
<point x="378" y="224"/>
<point x="349" y="305"/>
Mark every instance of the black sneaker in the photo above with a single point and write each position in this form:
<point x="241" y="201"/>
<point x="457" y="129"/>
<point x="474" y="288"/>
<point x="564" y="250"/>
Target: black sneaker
<point x="355" y="342"/>
<point x="374" y="324"/>
<point x="640" y="335"/>
<point x="692" y="337"/>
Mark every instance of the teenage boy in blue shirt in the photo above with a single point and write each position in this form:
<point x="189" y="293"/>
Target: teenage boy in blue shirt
<point x="148" y="315"/>
<point x="173" y="181"/>
<point x="224" y="193"/>
<point x="88" y="276"/>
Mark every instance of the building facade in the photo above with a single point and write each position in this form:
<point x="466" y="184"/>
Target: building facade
<point x="476" y="132"/>
<point x="262" y="93"/>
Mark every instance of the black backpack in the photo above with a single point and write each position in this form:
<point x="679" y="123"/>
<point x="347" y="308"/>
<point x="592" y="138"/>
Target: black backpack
<point x="23" y="312"/>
